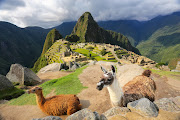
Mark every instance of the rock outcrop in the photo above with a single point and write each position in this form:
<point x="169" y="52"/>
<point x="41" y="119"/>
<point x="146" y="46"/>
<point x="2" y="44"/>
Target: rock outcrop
<point x="5" y="83"/>
<point x="144" y="107"/>
<point x="51" y="68"/>
<point x="84" y="114"/>
<point x="169" y="104"/>
<point x="22" y="75"/>
<point x="116" y="111"/>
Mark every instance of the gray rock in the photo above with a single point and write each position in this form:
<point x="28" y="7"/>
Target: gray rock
<point x="30" y="78"/>
<point x="103" y="117"/>
<point x="5" y="83"/>
<point x="22" y="75"/>
<point x="16" y="73"/>
<point x="75" y="66"/>
<point x="144" y="107"/>
<point x="48" y="118"/>
<point x="116" y="111"/>
<point x="176" y="100"/>
<point x="51" y="68"/>
<point x="84" y="114"/>
<point x="168" y="104"/>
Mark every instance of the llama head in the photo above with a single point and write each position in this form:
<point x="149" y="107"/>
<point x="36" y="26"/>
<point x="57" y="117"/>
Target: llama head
<point x="107" y="79"/>
<point x="36" y="90"/>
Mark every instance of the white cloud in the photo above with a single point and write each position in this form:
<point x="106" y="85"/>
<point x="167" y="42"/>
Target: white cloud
<point x="48" y="13"/>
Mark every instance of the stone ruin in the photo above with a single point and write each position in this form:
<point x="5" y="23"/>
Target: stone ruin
<point x="177" y="67"/>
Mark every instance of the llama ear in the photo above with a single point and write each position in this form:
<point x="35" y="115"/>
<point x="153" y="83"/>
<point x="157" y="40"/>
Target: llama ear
<point x="113" y="69"/>
<point x="103" y="69"/>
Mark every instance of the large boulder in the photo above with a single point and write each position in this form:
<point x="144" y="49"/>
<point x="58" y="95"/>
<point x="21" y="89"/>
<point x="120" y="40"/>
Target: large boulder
<point x="51" y="68"/>
<point x="30" y="78"/>
<point x="116" y="111"/>
<point x="144" y="107"/>
<point x="84" y="114"/>
<point x="16" y="73"/>
<point x="5" y="83"/>
<point x="167" y="104"/>
<point x="176" y="100"/>
<point x="22" y="75"/>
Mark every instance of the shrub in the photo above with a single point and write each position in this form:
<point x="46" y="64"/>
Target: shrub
<point x="160" y="64"/>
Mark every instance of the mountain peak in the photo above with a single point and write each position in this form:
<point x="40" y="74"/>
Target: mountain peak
<point x="87" y="16"/>
<point x="51" y="37"/>
<point x="87" y="30"/>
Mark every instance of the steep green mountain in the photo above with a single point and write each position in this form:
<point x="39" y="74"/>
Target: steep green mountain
<point x="88" y="31"/>
<point x="163" y="45"/>
<point x="19" y="45"/>
<point x="51" y="38"/>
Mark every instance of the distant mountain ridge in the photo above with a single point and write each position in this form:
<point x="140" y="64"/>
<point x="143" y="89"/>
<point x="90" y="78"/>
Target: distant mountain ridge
<point x="19" y="45"/>
<point x="24" y="45"/>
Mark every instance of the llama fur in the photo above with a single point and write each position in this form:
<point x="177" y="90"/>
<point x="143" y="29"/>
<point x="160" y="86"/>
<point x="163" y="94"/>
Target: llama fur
<point x="56" y="105"/>
<point x="139" y="87"/>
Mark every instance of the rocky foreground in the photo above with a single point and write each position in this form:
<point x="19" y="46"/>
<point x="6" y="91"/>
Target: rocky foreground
<point x="142" y="109"/>
<point x="96" y="105"/>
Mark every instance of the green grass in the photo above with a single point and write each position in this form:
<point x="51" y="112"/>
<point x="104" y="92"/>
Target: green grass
<point x="69" y="84"/>
<point x="98" y="58"/>
<point x="86" y="52"/>
<point x="10" y="93"/>
<point x="175" y="75"/>
<point x="111" y="60"/>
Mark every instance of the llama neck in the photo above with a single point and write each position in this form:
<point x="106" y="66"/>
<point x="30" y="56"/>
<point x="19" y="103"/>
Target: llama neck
<point x="40" y="99"/>
<point x="116" y="93"/>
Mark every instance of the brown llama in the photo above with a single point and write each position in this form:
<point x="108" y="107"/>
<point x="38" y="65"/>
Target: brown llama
<point x="56" y="105"/>
<point x="141" y="86"/>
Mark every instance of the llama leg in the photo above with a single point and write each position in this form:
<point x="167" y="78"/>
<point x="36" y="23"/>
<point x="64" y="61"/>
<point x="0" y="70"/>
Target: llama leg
<point x="71" y="110"/>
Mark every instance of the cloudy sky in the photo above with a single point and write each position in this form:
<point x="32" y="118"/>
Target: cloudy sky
<point x="49" y="13"/>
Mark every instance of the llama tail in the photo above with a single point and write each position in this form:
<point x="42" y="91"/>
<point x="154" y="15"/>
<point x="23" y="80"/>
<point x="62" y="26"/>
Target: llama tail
<point x="147" y="73"/>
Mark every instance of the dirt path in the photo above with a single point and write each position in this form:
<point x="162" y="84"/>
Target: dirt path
<point x="90" y="98"/>
<point x="164" y="89"/>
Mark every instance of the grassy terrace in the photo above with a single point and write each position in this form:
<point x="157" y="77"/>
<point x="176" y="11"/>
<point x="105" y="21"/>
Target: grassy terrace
<point x="69" y="84"/>
<point x="175" y="75"/>
<point x="86" y="52"/>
